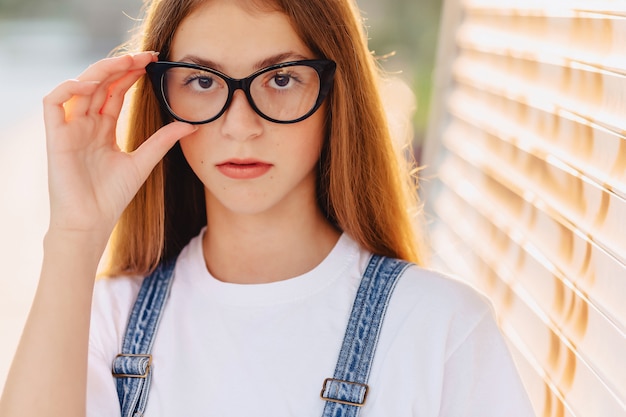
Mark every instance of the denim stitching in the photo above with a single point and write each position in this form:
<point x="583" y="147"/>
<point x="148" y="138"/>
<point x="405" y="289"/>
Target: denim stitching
<point x="139" y="338"/>
<point x="362" y="333"/>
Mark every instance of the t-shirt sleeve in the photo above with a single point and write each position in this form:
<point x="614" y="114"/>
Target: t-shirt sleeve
<point x="480" y="377"/>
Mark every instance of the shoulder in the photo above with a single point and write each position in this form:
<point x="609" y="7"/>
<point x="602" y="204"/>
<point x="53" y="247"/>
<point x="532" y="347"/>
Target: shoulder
<point x="430" y="305"/>
<point x="441" y="293"/>
<point x="431" y="294"/>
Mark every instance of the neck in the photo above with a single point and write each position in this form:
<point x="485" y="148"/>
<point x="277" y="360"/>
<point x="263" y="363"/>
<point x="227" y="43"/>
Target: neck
<point x="266" y="247"/>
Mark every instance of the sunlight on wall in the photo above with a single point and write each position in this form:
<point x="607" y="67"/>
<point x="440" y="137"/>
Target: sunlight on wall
<point x="528" y="147"/>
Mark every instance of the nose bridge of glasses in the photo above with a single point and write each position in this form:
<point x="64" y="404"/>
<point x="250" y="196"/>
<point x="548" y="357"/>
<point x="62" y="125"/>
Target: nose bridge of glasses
<point x="235" y="84"/>
<point x="242" y="84"/>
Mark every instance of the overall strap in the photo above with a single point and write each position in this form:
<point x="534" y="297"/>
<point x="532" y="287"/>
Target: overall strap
<point x="132" y="367"/>
<point x="347" y="390"/>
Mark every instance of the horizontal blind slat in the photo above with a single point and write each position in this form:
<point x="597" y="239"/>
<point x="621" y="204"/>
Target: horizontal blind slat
<point x="532" y="152"/>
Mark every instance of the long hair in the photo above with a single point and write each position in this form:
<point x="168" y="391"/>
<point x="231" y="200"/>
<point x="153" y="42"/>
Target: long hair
<point x="363" y="187"/>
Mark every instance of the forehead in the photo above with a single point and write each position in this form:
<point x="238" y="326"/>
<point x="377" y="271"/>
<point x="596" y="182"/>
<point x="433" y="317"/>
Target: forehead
<point x="235" y="37"/>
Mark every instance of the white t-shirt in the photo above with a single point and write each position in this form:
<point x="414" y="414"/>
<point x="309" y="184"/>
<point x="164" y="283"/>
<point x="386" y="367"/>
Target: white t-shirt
<point x="229" y="350"/>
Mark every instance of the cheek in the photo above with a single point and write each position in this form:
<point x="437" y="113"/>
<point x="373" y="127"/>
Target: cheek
<point x="195" y="147"/>
<point x="199" y="141"/>
<point x="190" y="151"/>
<point x="305" y="159"/>
<point x="303" y="151"/>
<point x="312" y="133"/>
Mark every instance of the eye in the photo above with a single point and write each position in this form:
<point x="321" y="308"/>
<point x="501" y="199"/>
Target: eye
<point x="204" y="82"/>
<point x="200" y="82"/>
<point x="281" y="80"/>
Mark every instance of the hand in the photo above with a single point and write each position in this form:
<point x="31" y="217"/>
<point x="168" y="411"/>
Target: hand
<point x="90" y="180"/>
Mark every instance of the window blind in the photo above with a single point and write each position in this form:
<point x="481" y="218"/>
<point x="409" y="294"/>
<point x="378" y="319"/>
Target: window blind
<point x="525" y="181"/>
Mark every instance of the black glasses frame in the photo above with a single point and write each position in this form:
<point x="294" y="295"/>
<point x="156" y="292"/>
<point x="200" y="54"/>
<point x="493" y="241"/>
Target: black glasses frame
<point x="325" y="70"/>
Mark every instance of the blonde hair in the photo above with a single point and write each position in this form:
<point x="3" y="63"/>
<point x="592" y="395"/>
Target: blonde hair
<point x="364" y="189"/>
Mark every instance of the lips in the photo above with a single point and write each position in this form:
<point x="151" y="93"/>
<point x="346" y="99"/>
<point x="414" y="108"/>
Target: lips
<point x="243" y="168"/>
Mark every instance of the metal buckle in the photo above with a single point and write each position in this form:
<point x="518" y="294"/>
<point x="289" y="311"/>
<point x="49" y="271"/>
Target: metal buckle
<point x="132" y="355"/>
<point x="334" y="400"/>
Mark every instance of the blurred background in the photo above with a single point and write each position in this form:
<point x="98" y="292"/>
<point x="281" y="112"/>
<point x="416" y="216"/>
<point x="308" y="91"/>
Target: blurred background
<point x="43" y="42"/>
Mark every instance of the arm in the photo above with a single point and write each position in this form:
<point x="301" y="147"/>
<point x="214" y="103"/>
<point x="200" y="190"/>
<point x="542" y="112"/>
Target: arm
<point x="90" y="183"/>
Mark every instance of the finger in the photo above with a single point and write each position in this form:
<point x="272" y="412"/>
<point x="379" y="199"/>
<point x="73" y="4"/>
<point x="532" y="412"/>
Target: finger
<point x="101" y="71"/>
<point x="109" y="101"/>
<point x="154" y="148"/>
<point x="55" y="102"/>
<point x="104" y="68"/>
<point x="109" y="70"/>
<point x="103" y="94"/>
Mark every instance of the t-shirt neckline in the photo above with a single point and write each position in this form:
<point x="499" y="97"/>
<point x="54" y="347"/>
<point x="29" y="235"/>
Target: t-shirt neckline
<point x="332" y="267"/>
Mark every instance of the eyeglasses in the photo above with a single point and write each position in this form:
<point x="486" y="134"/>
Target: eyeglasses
<point x="284" y="93"/>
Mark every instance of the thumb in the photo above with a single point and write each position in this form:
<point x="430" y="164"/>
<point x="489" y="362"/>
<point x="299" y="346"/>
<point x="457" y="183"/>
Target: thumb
<point x="156" y="146"/>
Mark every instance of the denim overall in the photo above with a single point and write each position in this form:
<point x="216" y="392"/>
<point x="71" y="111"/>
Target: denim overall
<point x="344" y="393"/>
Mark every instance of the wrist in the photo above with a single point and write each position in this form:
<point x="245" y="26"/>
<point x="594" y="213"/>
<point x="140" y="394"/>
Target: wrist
<point x="90" y="244"/>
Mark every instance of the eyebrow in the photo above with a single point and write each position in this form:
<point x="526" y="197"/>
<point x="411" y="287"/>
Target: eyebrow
<point x="266" y="62"/>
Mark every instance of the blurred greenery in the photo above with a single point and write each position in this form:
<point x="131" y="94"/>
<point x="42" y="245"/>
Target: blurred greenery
<point x="407" y="29"/>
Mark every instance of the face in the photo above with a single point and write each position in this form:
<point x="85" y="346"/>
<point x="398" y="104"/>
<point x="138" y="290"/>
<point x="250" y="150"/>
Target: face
<point x="247" y="164"/>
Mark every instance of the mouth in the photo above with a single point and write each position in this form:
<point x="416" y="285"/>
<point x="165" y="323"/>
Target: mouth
<point x="243" y="168"/>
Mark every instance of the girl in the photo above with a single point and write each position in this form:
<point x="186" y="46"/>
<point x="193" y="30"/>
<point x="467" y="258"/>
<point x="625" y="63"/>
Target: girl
<point x="267" y="181"/>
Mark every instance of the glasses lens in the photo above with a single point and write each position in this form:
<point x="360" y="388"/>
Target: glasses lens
<point x="287" y="93"/>
<point x="194" y="95"/>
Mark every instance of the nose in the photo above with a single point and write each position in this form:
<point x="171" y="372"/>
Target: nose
<point x="240" y="121"/>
